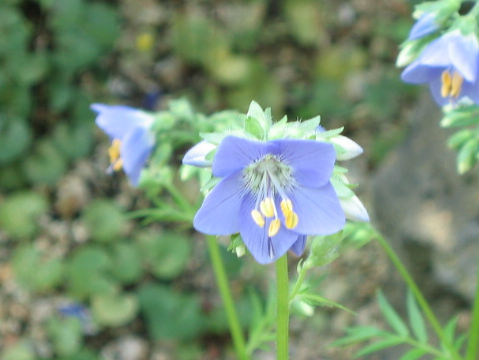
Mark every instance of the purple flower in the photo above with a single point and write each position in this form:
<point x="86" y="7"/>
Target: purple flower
<point x="449" y="65"/>
<point x="273" y="193"/>
<point x="425" y="25"/>
<point x="132" y="139"/>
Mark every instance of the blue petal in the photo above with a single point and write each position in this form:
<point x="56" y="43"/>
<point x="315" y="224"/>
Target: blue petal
<point x="135" y="150"/>
<point x="471" y="90"/>
<point x="417" y="73"/>
<point x="425" y="25"/>
<point x="264" y="249"/>
<point x="219" y="214"/>
<point x="312" y="161"/>
<point x="319" y="211"/>
<point x="464" y="52"/>
<point x="298" y="246"/>
<point x="236" y="153"/>
<point x="196" y="156"/>
<point x="118" y="120"/>
<point x="435" y="88"/>
<point x="436" y="53"/>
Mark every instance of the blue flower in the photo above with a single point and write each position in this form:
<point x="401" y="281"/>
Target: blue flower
<point x="132" y="139"/>
<point x="425" y="25"/>
<point x="449" y="65"/>
<point x="273" y="193"/>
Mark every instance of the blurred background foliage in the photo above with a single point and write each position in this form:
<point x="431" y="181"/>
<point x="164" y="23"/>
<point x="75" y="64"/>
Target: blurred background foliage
<point x="80" y="279"/>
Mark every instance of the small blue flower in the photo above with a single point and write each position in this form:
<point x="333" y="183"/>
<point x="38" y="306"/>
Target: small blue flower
<point x="132" y="139"/>
<point x="425" y="25"/>
<point x="449" y="65"/>
<point x="273" y="193"/>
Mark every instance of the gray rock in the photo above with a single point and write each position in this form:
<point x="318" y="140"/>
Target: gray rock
<point x="426" y="210"/>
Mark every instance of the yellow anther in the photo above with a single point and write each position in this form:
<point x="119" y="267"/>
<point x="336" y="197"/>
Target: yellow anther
<point x="117" y="165"/>
<point x="291" y="221"/>
<point x="286" y="207"/>
<point x="257" y="218"/>
<point x="114" y="154"/>
<point x="456" y="84"/>
<point x="274" y="227"/>
<point x="446" y="81"/>
<point x="267" y="207"/>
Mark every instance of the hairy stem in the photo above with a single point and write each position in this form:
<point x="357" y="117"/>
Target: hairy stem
<point x="222" y="282"/>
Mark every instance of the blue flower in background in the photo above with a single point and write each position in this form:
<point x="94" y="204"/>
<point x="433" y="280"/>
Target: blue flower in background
<point x="273" y="193"/>
<point x="449" y="65"/>
<point x="425" y="25"/>
<point x="132" y="139"/>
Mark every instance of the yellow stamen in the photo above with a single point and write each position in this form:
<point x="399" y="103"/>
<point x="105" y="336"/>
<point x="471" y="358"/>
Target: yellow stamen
<point x="286" y="207"/>
<point x="267" y="207"/>
<point x="257" y="218"/>
<point x="274" y="227"/>
<point x="117" y="165"/>
<point x="456" y="84"/>
<point x="446" y="81"/>
<point x="114" y="154"/>
<point x="291" y="221"/>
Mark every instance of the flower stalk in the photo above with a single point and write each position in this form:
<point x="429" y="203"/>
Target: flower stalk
<point x="282" y="316"/>
<point x="222" y="282"/>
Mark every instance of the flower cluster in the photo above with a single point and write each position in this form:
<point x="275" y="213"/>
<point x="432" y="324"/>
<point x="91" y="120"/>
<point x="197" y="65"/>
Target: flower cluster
<point x="131" y="135"/>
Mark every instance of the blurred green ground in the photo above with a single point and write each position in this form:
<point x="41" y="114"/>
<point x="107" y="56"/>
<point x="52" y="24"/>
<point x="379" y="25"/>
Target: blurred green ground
<point x="65" y="237"/>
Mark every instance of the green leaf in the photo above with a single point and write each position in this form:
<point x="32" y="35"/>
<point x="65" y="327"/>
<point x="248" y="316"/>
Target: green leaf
<point x="359" y="334"/>
<point x="15" y="137"/>
<point x="413" y="354"/>
<point x="415" y="319"/>
<point x="21" y="350"/>
<point x="263" y="117"/>
<point x="391" y="316"/>
<point x="462" y="116"/>
<point x="450" y="329"/>
<point x="166" y="255"/>
<point x="87" y="273"/>
<point x="467" y="156"/>
<point x="19" y="213"/>
<point x="382" y="344"/>
<point x="104" y="220"/>
<point x="318" y="300"/>
<point x="170" y="314"/>
<point x="66" y="334"/>
<point x="114" y="309"/>
<point x="45" y="165"/>
<point x="253" y="127"/>
<point x="126" y="262"/>
<point x="458" y="139"/>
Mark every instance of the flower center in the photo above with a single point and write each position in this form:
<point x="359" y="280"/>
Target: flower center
<point x="451" y="84"/>
<point x="266" y="179"/>
<point x="116" y="162"/>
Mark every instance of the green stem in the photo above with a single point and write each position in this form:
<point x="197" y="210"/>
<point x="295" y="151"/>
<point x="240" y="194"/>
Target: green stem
<point x="473" y="344"/>
<point x="282" y="315"/>
<point x="418" y="295"/>
<point x="222" y="282"/>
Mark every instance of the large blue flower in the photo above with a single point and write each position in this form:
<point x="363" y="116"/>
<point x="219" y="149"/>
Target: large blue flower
<point x="132" y="139"/>
<point x="449" y="65"/>
<point x="273" y="193"/>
